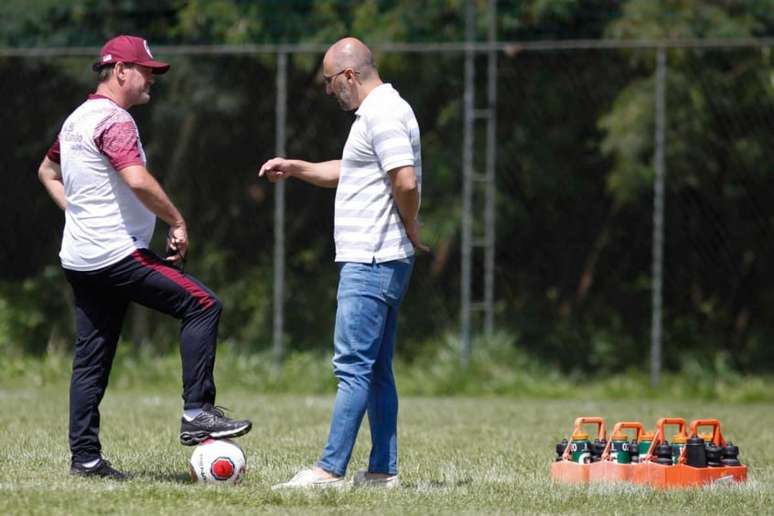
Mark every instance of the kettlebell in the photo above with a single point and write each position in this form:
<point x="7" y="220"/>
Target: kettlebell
<point x="560" y="447"/>
<point x="695" y="453"/>
<point x="597" y="447"/>
<point x="664" y="454"/>
<point x="713" y="455"/>
<point x="729" y="455"/>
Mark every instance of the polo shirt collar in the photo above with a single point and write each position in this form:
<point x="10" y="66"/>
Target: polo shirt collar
<point x="372" y="99"/>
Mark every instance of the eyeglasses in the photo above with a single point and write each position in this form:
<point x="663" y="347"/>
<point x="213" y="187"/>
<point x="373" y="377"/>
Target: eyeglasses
<point x="329" y="78"/>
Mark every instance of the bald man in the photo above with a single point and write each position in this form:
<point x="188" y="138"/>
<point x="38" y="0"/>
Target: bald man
<point x="377" y="182"/>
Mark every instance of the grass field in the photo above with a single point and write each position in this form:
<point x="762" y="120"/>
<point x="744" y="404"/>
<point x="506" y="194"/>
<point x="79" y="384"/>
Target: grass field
<point x="457" y="455"/>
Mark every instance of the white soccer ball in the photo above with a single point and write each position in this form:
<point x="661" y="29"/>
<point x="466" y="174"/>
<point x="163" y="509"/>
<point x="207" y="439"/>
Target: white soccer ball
<point x="218" y="461"/>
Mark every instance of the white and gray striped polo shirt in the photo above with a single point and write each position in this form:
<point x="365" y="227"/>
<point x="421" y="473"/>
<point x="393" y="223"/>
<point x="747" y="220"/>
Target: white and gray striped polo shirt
<point x="384" y="136"/>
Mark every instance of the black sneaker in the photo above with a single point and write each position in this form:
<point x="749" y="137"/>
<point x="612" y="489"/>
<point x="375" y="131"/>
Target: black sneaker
<point x="101" y="469"/>
<point x="211" y="423"/>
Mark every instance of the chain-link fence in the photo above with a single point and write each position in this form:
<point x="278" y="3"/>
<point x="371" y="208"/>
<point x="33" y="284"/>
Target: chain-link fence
<point x="575" y="146"/>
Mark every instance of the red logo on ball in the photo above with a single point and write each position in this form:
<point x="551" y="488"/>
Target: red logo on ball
<point x="222" y="468"/>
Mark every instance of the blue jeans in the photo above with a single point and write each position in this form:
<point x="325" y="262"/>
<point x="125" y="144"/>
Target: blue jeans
<point x="366" y="324"/>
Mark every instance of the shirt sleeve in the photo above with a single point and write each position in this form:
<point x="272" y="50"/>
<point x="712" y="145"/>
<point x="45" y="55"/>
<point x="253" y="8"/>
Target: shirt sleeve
<point x="392" y="143"/>
<point x="53" y="152"/>
<point x="119" y="141"/>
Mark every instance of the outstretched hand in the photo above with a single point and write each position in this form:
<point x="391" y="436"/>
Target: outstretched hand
<point x="276" y="169"/>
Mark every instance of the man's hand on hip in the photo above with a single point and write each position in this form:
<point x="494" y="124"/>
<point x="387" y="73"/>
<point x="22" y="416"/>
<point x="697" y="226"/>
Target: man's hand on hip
<point x="412" y="231"/>
<point x="177" y="243"/>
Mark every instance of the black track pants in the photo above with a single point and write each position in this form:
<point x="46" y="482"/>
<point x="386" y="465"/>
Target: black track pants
<point x="101" y="300"/>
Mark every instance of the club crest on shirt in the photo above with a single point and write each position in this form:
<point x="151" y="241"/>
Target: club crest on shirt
<point x="69" y="135"/>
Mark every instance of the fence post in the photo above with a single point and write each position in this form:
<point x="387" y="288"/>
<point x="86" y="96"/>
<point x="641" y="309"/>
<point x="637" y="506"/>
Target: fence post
<point x="467" y="182"/>
<point x="658" y="219"/>
<point x="491" y="160"/>
<point x="279" y="212"/>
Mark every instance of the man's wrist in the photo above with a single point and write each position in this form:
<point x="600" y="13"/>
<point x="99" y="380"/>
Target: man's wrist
<point x="292" y="168"/>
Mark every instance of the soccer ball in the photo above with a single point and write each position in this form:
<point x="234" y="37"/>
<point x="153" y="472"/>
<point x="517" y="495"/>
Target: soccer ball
<point x="217" y="461"/>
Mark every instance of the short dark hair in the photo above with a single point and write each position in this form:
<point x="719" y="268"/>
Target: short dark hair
<point x="104" y="72"/>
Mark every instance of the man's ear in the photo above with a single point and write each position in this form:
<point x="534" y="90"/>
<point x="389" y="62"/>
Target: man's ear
<point x="120" y="70"/>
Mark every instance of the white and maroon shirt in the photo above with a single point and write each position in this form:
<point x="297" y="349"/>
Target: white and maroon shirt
<point x="104" y="220"/>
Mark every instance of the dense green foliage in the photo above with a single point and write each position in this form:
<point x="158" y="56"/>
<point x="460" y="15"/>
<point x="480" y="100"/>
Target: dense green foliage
<point x="498" y="368"/>
<point x="575" y="146"/>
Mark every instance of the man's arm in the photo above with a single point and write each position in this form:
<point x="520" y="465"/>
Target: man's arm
<point x="50" y="174"/>
<point x="324" y="174"/>
<point x="150" y="193"/>
<point x="406" y="195"/>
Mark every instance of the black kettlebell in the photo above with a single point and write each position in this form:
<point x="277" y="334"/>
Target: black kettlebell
<point x="597" y="447"/>
<point x="729" y="455"/>
<point x="713" y="455"/>
<point x="695" y="453"/>
<point x="664" y="454"/>
<point x="560" y="447"/>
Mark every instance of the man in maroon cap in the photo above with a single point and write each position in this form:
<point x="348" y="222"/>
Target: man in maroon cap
<point x="95" y="171"/>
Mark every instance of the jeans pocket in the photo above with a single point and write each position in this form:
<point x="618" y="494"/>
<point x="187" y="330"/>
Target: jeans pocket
<point x="395" y="279"/>
<point x="355" y="278"/>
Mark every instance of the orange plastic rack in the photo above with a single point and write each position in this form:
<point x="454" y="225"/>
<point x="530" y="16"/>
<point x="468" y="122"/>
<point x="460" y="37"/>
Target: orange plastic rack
<point x="737" y="473"/>
<point x="566" y="470"/>
<point x="681" y="474"/>
<point x="647" y="471"/>
<point x="659" y="475"/>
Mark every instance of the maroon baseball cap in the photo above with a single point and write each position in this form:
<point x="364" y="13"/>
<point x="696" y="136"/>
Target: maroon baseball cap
<point x="129" y="49"/>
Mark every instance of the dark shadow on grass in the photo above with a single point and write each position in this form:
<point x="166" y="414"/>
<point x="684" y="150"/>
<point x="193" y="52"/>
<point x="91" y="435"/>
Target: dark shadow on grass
<point x="175" y="478"/>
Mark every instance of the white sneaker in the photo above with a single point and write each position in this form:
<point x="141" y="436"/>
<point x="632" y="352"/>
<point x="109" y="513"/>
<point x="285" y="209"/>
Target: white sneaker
<point x="361" y="479"/>
<point x="307" y="478"/>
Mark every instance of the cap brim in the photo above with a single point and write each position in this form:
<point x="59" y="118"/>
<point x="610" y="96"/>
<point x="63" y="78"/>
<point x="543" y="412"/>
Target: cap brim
<point x="157" y="67"/>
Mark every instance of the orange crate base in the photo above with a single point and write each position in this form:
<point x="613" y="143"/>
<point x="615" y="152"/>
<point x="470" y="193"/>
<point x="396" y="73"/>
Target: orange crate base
<point x="649" y="473"/>
<point x="681" y="475"/>
<point x="607" y="471"/>
<point x="570" y="472"/>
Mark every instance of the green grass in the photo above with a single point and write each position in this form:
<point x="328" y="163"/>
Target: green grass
<point x="457" y="455"/>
